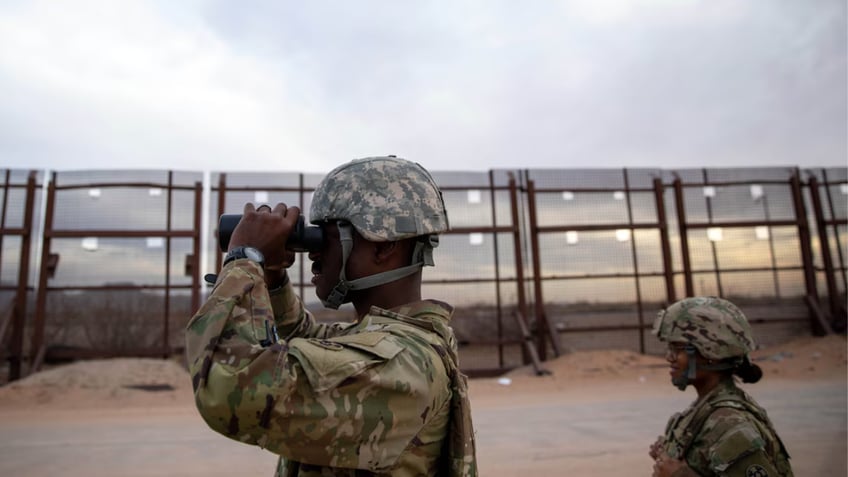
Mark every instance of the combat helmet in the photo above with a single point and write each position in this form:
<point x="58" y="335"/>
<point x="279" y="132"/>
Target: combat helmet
<point x="384" y="199"/>
<point x="715" y="327"/>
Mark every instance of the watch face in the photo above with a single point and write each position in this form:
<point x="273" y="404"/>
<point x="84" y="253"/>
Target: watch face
<point x="254" y="254"/>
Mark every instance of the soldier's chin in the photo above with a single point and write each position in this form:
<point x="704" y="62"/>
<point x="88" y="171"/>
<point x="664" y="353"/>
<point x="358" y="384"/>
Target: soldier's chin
<point x="680" y="382"/>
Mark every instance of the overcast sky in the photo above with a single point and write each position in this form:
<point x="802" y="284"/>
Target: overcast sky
<point x="456" y="85"/>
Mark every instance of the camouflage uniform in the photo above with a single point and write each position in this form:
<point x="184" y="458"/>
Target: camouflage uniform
<point x="724" y="432"/>
<point x="381" y="396"/>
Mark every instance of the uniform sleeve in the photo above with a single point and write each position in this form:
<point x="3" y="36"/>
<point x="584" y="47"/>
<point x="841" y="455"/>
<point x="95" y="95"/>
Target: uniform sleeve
<point x="756" y="464"/>
<point x="234" y="325"/>
<point x="738" y="448"/>
<point x="231" y="351"/>
<point x="318" y="401"/>
<point x="292" y="319"/>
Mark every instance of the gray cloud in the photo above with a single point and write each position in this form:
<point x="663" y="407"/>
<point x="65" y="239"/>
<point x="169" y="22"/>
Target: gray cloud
<point x="455" y="85"/>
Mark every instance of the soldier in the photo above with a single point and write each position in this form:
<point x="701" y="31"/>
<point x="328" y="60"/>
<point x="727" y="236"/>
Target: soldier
<point x="382" y="395"/>
<point x="724" y="432"/>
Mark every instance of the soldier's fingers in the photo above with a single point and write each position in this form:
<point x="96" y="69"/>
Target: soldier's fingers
<point x="293" y="211"/>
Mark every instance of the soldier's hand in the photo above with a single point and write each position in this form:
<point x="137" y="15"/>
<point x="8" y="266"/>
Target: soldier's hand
<point x="276" y="275"/>
<point x="656" y="447"/>
<point x="267" y="230"/>
<point x="665" y="466"/>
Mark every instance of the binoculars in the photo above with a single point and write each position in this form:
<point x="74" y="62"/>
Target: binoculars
<point x="303" y="238"/>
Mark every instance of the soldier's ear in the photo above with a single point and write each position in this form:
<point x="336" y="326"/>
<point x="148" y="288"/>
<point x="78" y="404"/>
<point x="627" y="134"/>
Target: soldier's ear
<point x="384" y="251"/>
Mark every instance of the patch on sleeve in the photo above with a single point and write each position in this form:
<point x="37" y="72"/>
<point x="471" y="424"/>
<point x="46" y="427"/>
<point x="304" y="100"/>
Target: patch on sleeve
<point x="327" y="344"/>
<point x="756" y="470"/>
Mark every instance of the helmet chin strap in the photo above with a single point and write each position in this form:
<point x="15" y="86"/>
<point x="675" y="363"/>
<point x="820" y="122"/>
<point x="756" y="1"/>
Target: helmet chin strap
<point x="691" y="370"/>
<point x="421" y="255"/>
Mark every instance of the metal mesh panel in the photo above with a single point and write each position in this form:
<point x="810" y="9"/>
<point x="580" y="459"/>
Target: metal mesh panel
<point x="109" y="261"/>
<point x="642" y="178"/>
<point x="648" y="252"/>
<point x="465" y="257"/>
<point x="583" y="253"/>
<point x="11" y="261"/>
<point x="469" y="208"/>
<point x="644" y="207"/>
<point x="114" y="320"/>
<point x="791" y="283"/>
<point x="465" y="180"/>
<point x="555" y="208"/>
<point x="577" y="178"/>
<point x="748" y="202"/>
<point x="472" y="257"/>
<point x="112" y="209"/>
<point x="13" y="201"/>
<point x="839" y="200"/>
<point x="742" y="174"/>
<point x="84" y="177"/>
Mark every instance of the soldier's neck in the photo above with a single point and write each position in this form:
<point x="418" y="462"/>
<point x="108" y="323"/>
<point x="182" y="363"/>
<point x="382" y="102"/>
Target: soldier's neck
<point x="706" y="382"/>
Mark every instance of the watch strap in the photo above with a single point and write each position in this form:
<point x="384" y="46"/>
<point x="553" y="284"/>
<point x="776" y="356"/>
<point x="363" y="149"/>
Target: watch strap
<point x="249" y="253"/>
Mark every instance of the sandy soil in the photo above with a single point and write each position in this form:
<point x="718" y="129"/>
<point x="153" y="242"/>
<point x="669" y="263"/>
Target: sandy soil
<point x="595" y="414"/>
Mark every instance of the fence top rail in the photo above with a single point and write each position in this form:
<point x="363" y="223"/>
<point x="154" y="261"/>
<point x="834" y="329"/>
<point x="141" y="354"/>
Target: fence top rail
<point x="117" y="185"/>
<point x="746" y="223"/>
<point x="18" y="185"/>
<point x="227" y="188"/>
<point x="732" y="183"/>
<point x="119" y="233"/>
<point x="593" y="189"/>
<point x="305" y="188"/>
<point x="597" y="227"/>
<point x="832" y="182"/>
<point x="481" y="229"/>
<point x="474" y="187"/>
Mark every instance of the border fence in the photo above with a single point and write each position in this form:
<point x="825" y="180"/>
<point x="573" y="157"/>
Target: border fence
<point x="537" y="262"/>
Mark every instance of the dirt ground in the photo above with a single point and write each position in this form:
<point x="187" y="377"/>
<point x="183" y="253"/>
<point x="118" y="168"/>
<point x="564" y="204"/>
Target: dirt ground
<point x="595" y="414"/>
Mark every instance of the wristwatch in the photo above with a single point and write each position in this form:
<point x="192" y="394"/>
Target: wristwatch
<point x="249" y="253"/>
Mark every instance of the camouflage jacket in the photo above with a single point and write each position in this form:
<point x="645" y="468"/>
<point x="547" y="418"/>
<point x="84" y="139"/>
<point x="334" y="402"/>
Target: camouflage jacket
<point x="726" y="433"/>
<point x="382" y="396"/>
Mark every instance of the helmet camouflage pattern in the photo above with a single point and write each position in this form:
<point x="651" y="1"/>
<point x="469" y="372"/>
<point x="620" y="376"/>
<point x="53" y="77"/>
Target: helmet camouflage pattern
<point x="384" y="198"/>
<point x="715" y="327"/>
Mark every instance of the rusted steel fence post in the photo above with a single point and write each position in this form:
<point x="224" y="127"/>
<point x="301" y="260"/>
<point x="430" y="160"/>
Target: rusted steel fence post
<point x="665" y="244"/>
<point x="20" y="301"/>
<point x="196" y="282"/>
<point x="836" y="222"/>
<point x="519" y="266"/>
<point x="543" y="325"/>
<point x="680" y="205"/>
<point x="818" y="323"/>
<point x="824" y="246"/>
<point x="37" y="343"/>
<point x="635" y="257"/>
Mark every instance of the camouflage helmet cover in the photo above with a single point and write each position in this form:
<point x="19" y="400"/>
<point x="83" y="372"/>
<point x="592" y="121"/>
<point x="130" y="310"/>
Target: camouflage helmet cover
<point x="715" y="327"/>
<point x="384" y="198"/>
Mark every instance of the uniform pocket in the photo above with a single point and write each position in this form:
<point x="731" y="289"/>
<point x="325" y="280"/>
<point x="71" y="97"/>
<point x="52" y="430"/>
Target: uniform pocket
<point x="328" y="362"/>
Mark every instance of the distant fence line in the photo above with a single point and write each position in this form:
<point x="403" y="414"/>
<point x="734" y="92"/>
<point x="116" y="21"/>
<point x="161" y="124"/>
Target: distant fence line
<point x="538" y="262"/>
